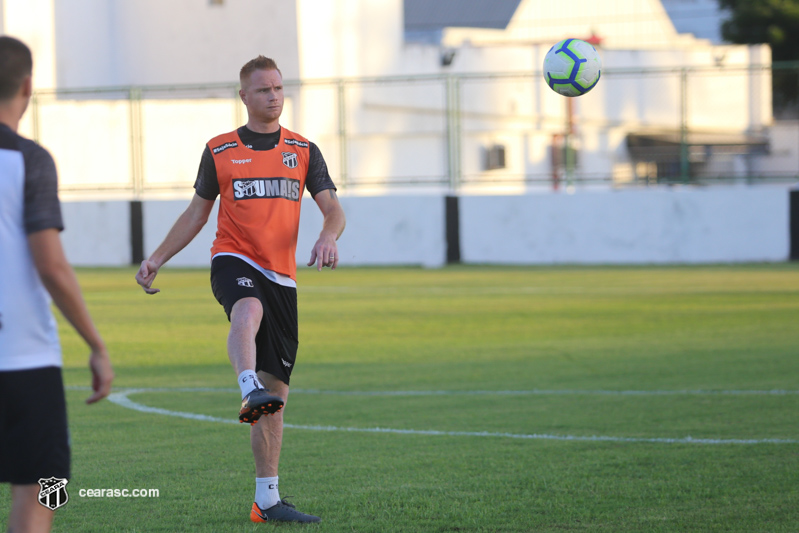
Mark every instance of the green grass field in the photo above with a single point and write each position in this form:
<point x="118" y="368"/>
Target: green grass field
<point x="491" y="370"/>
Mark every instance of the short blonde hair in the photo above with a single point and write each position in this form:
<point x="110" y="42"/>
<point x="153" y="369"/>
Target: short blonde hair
<point x="259" y="63"/>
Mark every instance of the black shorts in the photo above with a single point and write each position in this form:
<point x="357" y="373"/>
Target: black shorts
<point x="276" y="342"/>
<point x="34" y="439"/>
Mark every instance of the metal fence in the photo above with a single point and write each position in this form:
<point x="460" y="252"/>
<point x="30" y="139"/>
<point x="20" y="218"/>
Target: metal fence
<point x="457" y="132"/>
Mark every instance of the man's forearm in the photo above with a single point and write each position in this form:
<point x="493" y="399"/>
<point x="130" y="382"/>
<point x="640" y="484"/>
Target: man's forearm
<point x="334" y="223"/>
<point x="60" y="281"/>
<point x="64" y="289"/>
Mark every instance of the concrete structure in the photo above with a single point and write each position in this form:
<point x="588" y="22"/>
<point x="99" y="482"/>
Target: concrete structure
<point x="102" y="43"/>
<point x="386" y="108"/>
<point x="657" y="226"/>
<point x="391" y="110"/>
<point x="718" y="225"/>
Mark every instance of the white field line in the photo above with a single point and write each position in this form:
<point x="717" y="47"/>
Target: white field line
<point x="513" y="291"/>
<point x="121" y="398"/>
<point x="566" y="392"/>
<point x="531" y="392"/>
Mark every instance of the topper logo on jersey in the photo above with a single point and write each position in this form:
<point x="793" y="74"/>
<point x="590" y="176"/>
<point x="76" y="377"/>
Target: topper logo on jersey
<point x="249" y="189"/>
<point x="220" y="149"/>
<point x="289" y="159"/>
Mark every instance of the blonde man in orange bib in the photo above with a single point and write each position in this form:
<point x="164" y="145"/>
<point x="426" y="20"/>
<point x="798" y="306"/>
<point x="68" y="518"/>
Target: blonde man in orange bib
<point x="259" y="172"/>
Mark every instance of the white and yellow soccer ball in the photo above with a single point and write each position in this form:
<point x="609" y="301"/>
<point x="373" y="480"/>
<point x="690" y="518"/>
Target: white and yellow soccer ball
<point x="572" y="67"/>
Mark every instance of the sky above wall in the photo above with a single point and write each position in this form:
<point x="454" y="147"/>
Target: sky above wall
<point x="424" y="19"/>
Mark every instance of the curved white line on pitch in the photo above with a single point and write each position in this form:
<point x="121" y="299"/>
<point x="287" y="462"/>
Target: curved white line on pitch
<point x="565" y="392"/>
<point x="121" y="399"/>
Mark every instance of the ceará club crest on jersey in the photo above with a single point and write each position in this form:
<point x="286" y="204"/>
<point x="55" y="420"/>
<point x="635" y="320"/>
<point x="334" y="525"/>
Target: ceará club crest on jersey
<point x="290" y="159"/>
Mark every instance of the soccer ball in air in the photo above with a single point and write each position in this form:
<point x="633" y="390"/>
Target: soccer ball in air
<point x="572" y="67"/>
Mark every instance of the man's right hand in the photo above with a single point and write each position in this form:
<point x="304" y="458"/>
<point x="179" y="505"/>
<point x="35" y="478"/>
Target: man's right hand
<point x="146" y="275"/>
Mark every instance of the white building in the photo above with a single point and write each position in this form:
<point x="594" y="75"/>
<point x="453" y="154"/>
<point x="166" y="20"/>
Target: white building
<point x="108" y="43"/>
<point x="442" y="95"/>
<point x="446" y="94"/>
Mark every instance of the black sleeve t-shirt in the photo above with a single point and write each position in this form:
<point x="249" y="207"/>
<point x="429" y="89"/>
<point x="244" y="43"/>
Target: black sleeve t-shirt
<point x="318" y="178"/>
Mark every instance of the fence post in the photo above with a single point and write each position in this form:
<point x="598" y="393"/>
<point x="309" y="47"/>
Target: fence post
<point x="136" y="232"/>
<point x="237" y="108"/>
<point x="452" y="229"/>
<point x="35" y="116"/>
<point x="569" y="154"/>
<point x="342" y="133"/>
<point x="794" y="225"/>
<point x="685" y="169"/>
<point x="453" y="132"/>
<point x="136" y="152"/>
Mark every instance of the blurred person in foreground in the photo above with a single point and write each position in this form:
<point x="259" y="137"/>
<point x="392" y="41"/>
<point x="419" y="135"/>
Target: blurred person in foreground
<point x="259" y="171"/>
<point x="34" y="439"/>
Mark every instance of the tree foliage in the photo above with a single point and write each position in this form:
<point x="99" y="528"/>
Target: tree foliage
<point x="775" y="22"/>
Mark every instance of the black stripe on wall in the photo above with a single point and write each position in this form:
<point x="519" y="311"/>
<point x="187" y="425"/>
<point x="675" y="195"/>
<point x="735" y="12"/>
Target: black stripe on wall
<point x="453" y="230"/>
<point x="794" y="229"/>
<point x="136" y="232"/>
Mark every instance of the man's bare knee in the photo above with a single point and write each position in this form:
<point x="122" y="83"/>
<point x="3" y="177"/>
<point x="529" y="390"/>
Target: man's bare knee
<point x="247" y="311"/>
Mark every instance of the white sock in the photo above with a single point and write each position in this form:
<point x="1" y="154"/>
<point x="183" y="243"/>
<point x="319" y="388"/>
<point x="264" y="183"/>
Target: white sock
<point x="266" y="493"/>
<point x="248" y="382"/>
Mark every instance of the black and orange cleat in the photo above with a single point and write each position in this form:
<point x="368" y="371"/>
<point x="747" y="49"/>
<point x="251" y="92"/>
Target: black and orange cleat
<point x="283" y="511"/>
<point x="259" y="402"/>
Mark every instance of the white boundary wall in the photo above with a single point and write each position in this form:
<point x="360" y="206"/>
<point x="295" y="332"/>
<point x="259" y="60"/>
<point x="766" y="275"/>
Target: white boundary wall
<point x="96" y="233"/>
<point x="678" y="225"/>
<point x="734" y="224"/>
<point x="380" y="231"/>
